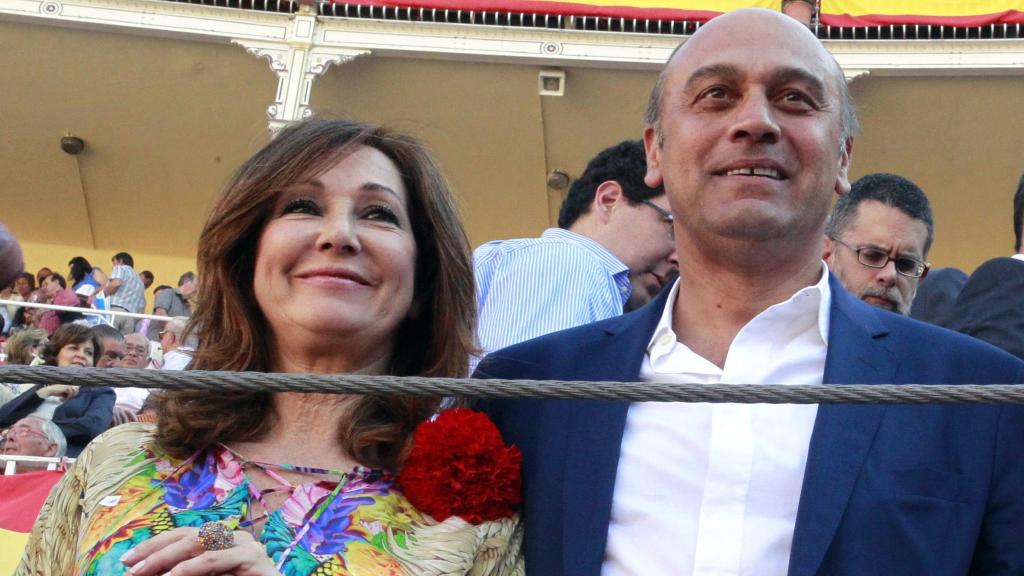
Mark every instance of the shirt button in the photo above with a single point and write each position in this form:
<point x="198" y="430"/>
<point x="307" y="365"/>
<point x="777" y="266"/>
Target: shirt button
<point x="665" y="339"/>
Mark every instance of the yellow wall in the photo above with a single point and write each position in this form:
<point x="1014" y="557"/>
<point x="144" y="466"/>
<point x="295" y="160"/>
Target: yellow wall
<point x="165" y="269"/>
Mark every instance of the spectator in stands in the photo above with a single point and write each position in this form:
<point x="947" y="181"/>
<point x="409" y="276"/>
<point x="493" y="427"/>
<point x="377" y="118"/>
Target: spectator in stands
<point x="111" y="346"/>
<point x="884" y="219"/>
<point x="52" y="284"/>
<point x="336" y="249"/>
<point x="81" y="413"/>
<point x="23" y="287"/>
<point x="147" y="278"/>
<point x="991" y="305"/>
<point x="34" y="436"/>
<point x="136" y="351"/>
<point x="124" y="291"/>
<point x="26" y="346"/>
<point x="42" y="274"/>
<point x="85" y="278"/>
<point x="173" y="302"/>
<point x="49" y="320"/>
<point x="177" y="344"/>
<point x="613" y="251"/>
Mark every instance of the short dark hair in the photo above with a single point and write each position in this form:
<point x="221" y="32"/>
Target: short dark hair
<point x="69" y="334"/>
<point x="125" y="259"/>
<point x="186" y="277"/>
<point x="1018" y="211"/>
<point x="107" y="332"/>
<point x="55" y="277"/>
<point x="147" y="275"/>
<point x="889" y="189"/>
<point x="625" y="163"/>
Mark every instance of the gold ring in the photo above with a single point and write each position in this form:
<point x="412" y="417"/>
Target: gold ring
<point x="215" y="536"/>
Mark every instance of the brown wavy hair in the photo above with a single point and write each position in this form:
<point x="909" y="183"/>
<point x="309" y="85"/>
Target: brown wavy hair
<point x="67" y="334"/>
<point x="231" y="329"/>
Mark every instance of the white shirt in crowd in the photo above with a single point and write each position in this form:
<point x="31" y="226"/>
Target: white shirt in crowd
<point x="713" y="489"/>
<point x="177" y="359"/>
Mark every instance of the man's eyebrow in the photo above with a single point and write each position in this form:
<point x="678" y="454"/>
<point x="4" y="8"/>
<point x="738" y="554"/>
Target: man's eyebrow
<point x="814" y="84"/>
<point x="710" y="71"/>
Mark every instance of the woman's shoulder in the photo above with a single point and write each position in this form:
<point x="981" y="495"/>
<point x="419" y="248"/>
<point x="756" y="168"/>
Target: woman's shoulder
<point x="117" y="448"/>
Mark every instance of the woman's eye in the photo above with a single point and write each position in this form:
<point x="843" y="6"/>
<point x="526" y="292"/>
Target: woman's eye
<point x="382" y="213"/>
<point x="301" y="206"/>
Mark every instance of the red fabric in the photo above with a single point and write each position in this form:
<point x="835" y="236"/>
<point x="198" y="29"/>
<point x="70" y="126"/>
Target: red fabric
<point x="861" y="21"/>
<point x="21" y="497"/>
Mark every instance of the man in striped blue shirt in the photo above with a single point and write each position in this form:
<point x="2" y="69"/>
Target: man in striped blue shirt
<point x="613" y="251"/>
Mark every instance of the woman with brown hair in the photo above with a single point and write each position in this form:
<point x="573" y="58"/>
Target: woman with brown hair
<point x="335" y="249"/>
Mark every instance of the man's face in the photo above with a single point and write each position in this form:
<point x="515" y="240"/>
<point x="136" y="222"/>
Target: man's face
<point x="882" y="227"/>
<point x="187" y="289"/>
<point x="26" y="438"/>
<point x="136" y="351"/>
<point x="644" y="241"/>
<point x="751" y="147"/>
<point x="50" y="287"/>
<point x="168" y="340"/>
<point x="111" y="353"/>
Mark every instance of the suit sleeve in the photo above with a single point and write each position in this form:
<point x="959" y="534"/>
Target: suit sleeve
<point x="991" y="305"/>
<point x="21" y="406"/>
<point x="539" y="291"/>
<point x="1000" y="548"/>
<point x="80" y="427"/>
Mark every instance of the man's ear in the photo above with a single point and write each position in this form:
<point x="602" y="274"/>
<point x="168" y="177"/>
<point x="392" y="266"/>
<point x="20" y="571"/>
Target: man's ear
<point x="652" y="148"/>
<point x="845" y="158"/>
<point x="828" y="250"/>
<point x="51" y="450"/>
<point x="606" y="197"/>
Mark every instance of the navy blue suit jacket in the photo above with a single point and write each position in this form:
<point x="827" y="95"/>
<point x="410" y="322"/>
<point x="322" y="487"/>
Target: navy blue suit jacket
<point x="895" y="490"/>
<point x="81" y="418"/>
<point x="991" y="305"/>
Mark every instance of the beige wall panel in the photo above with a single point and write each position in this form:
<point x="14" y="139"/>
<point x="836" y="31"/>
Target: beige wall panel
<point x="962" y="140"/>
<point x="164" y="121"/>
<point x="482" y="121"/>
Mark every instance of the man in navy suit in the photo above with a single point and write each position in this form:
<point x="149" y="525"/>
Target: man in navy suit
<point x="750" y="130"/>
<point x="991" y="304"/>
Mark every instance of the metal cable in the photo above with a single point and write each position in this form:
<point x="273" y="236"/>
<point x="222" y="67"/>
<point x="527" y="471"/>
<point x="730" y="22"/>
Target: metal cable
<point x="546" y="389"/>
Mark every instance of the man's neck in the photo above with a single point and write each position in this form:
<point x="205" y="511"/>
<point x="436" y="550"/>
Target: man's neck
<point x="718" y="296"/>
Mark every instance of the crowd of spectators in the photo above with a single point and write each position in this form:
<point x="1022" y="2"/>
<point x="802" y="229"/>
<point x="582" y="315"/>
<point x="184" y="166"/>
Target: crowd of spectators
<point x="59" y="420"/>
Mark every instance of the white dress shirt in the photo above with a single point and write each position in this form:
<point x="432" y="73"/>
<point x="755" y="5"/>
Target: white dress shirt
<point x="713" y="489"/>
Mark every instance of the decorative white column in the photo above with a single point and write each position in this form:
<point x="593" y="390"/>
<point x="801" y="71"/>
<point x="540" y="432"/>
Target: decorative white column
<point x="297" y="61"/>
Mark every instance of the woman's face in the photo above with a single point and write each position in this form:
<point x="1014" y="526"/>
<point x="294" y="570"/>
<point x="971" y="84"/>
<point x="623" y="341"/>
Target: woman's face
<point x="80" y="355"/>
<point x="21" y="285"/>
<point x="337" y="256"/>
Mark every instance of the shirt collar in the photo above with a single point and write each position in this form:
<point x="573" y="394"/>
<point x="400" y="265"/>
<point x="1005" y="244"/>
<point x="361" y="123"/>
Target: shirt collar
<point x="610" y="262"/>
<point x="814" y="299"/>
<point x="1018" y="257"/>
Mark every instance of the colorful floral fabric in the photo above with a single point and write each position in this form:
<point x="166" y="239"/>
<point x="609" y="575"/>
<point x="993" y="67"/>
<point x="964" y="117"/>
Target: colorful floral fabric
<point x="367" y="528"/>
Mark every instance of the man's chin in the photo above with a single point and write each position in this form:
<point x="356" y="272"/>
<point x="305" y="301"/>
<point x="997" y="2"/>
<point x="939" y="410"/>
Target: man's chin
<point x="883" y="303"/>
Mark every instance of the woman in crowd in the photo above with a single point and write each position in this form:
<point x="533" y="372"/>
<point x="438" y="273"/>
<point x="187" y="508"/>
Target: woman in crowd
<point x="335" y="249"/>
<point x="84" y="279"/>
<point x="80" y="413"/>
<point x="25" y="346"/>
<point x="23" y="287"/>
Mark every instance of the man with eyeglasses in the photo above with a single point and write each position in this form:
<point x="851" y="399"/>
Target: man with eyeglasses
<point x="34" y="436"/>
<point x="877" y="240"/>
<point x="613" y="251"/>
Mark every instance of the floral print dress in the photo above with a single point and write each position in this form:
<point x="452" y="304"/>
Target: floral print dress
<point x="362" y="525"/>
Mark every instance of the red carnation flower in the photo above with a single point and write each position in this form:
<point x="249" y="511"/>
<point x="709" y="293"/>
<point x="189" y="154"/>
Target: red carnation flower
<point x="460" y="466"/>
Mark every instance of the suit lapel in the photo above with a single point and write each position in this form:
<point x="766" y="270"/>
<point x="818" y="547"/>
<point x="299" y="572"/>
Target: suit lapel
<point x="842" y="434"/>
<point x="595" y="439"/>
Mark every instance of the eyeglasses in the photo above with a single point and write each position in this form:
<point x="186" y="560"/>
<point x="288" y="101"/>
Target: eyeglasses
<point x="875" y="258"/>
<point x="23" y="432"/>
<point x="666" y="217"/>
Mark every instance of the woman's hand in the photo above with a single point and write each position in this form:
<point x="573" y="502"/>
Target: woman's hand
<point x="178" y="553"/>
<point x="63" y="391"/>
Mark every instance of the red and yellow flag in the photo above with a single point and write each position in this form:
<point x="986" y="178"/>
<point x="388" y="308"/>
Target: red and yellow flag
<point x="692" y="10"/>
<point x="961" y="13"/>
<point x="21" y="497"/>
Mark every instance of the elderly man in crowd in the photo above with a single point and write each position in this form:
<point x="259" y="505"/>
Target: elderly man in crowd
<point x="177" y="348"/>
<point x="52" y="284"/>
<point x="877" y="240"/>
<point x="173" y="302"/>
<point x="750" y="129"/>
<point x="34" y="436"/>
<point x="136" y="355"/>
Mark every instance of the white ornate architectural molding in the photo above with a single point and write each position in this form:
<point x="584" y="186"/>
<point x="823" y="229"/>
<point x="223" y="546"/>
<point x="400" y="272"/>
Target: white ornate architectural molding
<point x="297" y="60"/>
